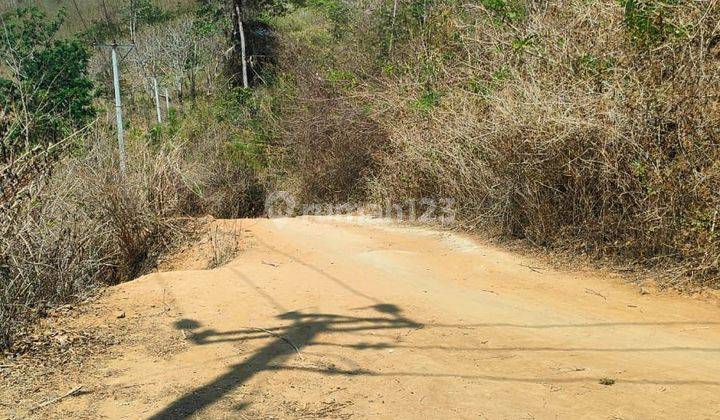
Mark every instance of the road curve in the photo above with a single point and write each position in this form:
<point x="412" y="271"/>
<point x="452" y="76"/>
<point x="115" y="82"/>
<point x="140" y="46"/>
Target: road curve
<point x="362" y="318"/>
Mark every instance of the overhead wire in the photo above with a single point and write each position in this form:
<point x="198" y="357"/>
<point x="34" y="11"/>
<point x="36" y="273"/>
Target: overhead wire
<point x="87" y="30"/>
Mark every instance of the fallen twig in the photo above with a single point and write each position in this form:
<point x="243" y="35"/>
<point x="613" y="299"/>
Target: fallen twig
<point x="594" y="292"/>
<point x="270" y="263"/>
<point x="535" y="269"/>
<point x="280" y="337"/>
<point x="56" y="399"/>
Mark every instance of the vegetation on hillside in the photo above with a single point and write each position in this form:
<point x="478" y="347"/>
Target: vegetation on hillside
<point x="591" y="127"/>
<point x="69" y="220"/>
<point x="586" y="126"/>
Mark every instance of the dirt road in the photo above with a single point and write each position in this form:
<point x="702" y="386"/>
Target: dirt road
<point x="327" y="318"/>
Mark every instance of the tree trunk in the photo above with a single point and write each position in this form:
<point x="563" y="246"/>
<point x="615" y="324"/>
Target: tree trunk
<point x="242" y="47"/>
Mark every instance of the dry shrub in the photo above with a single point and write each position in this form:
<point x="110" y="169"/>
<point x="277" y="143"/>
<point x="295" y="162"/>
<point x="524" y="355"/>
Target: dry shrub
<point x="230" y="190"/>
<point x="568" y="126"/>
<point x="88" y="225"/>
<point x="330" y="147"/>
<point x="225" y="174"/>
<point x="225" y="245"/>
<point x="326" y="144"/>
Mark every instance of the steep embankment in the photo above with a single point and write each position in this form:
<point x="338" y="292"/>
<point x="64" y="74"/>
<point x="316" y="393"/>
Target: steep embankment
<point x="339" y="318"/>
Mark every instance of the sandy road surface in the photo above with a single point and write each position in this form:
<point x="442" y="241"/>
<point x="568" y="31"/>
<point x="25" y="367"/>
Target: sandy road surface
<point x="325" y="318"/>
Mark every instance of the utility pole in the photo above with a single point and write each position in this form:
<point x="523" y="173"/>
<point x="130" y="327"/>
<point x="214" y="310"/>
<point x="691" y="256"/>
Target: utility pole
<point x="118" y="102"/>
<point x="167" y="102"/>
<point x="157" y="100"/>
<point x="118" y="108"/>
<point x="242" y="47"/>
<point x="116" y="84"/>
<point x="392" y="27"/>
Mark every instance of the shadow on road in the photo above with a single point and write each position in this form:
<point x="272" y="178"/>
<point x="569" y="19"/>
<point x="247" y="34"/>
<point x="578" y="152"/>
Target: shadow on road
<point x="305" y="328"/>
<point x="288" y="341"/>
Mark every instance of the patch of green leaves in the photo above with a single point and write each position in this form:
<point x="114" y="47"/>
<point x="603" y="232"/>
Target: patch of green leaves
<point x="649" y="22"/>
<point x="593" y="66"/>
<point x="342" y="78"/>
<point x="210" y="18"/>
<point x="337" y="12"/>
<point x="506" y="10"/>
<point x="501" y="74"/>
<point x="147" y="12"/>
<point x="427" y="100"/>
<point x="479" y="87"/>
<point x="520" y="44"/>
<point x="50" y="81"/>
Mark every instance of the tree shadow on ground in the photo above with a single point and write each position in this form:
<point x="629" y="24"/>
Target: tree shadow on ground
<point x="304" y="330"/>
<point x="287" y="342"/>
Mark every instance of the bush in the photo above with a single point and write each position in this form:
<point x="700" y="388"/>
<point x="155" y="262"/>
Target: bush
<point x="47" y="92"/>
<point x="88" y="225"/>
<point x="226" y="145"/>
<point x="322" y="143"/>
<point x="649" y="21"/>
<point x="574" y="125"/>
<point x="69" y="220"/>
<point x="616" y="158"/>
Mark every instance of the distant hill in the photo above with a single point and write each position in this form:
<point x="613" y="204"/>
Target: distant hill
<point x="90" y="10"/>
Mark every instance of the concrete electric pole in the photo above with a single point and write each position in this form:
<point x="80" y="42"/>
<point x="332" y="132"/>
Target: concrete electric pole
<point x="118" y="107"/>
<point x="242" y="48"/>
<point x="157" y="100"/>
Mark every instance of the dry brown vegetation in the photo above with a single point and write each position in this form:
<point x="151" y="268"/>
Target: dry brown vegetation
<point x="589" y="140"/>
<point x="587" y="126"/>
<point x="327" y="147"/>
<point x="84" y="224"/>
<point x="71" y="221"/>
<point x="87" y="225"/>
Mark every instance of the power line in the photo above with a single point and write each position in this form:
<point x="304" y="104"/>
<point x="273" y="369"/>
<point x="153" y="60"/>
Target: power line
<point x="82" y="20"/>
<point x="77" y="9"/>
<point x="116" y="77"/>
<point x="87" y="30"/>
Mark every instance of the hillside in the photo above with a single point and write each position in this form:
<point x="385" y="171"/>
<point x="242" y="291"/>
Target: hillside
<point x="584" y="133"/>
<point x="589" y="127"/>
<point x="82" y="14"/>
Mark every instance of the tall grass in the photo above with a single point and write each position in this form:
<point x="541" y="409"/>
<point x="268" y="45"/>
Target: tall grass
<point x="587" y="126"/>
<point x="70" y="221"/>
<point x="86" y="225"/>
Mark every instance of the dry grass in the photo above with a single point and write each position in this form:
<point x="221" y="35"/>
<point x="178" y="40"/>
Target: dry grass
<point x="570" y="124"/>
<point x="81" y="223"/>
<point x="325" y="144"/>
<point x="558" y="122"/>
<point x="327" y="150"/>
<point x="561" y="128"/>
<point x="70" y="221"/>
<point x="88" y="225"/>
<point x="224" y="245"/>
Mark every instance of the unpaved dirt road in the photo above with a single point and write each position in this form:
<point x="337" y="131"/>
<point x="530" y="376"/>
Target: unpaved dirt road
<point x="327" y="318"/>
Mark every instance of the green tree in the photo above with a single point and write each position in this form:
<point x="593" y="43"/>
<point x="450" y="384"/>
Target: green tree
<point x="45" y="91"/>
